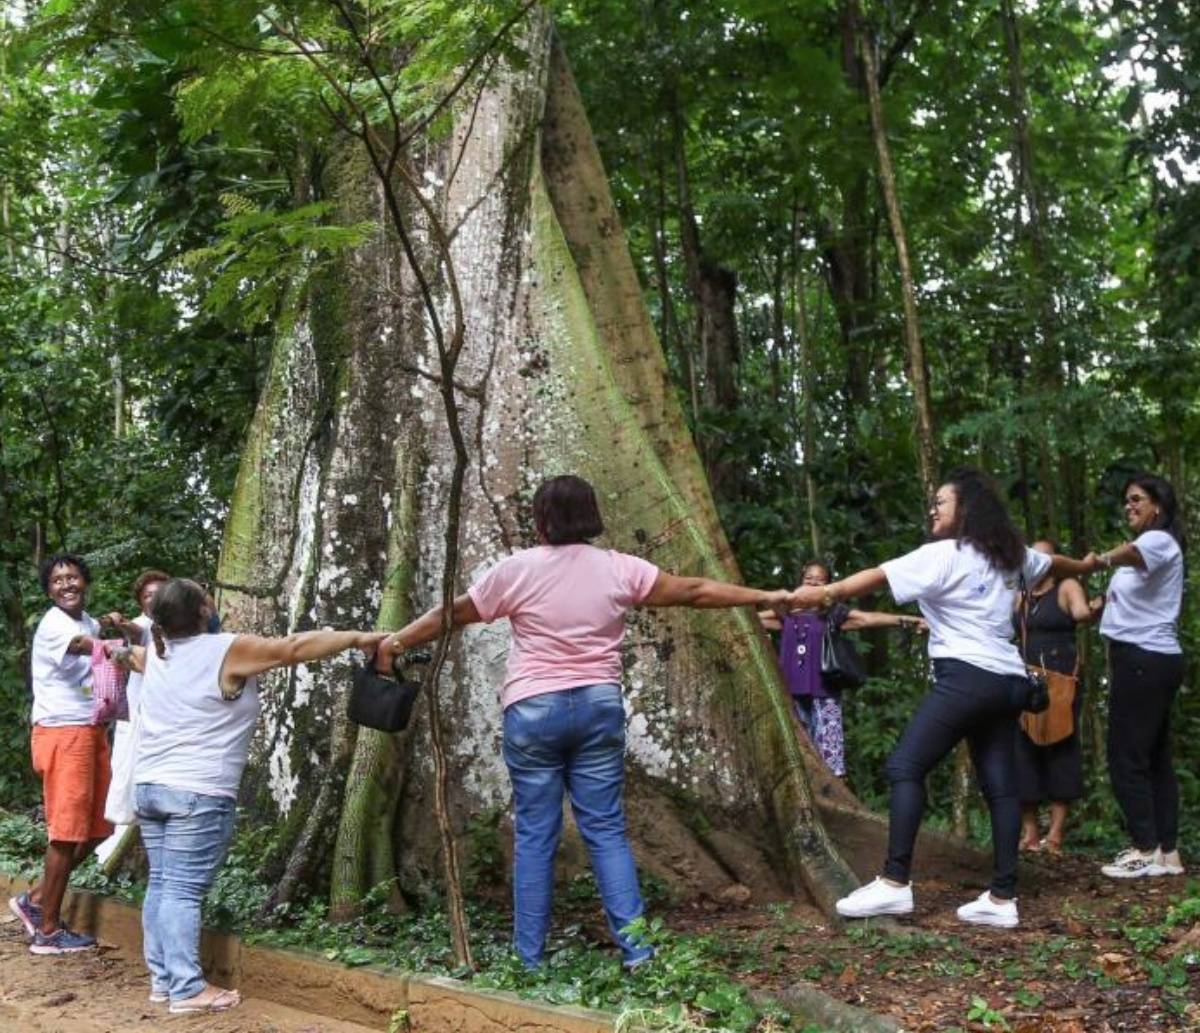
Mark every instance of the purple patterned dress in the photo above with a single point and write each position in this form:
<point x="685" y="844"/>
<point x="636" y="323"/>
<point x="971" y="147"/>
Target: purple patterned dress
<point x="818" y="707"/>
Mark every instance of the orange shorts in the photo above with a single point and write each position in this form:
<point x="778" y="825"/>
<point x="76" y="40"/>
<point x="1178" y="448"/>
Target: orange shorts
<point x="73" y="762"/>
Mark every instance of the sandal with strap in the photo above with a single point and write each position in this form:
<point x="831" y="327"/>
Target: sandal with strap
<point x="221" y="1001"/>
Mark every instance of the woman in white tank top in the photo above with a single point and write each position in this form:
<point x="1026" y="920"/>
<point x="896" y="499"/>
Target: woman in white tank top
<point x="199" y="708"/>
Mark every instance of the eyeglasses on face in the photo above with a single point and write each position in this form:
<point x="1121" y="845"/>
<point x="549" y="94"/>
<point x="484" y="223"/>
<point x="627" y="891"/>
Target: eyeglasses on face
<point x="1134" y="499"/>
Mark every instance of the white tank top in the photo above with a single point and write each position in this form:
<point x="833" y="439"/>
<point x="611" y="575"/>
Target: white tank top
<point x="191" y="737"/>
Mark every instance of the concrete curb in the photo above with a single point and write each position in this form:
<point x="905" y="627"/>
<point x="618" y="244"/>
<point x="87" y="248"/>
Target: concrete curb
<point x="370" y="996"/>
<point x="366" y="995"/>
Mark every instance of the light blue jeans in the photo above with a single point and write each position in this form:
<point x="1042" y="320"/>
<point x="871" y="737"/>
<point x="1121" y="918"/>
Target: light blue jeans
<point x="186" y="836"/>
<point x="572" y="740"/>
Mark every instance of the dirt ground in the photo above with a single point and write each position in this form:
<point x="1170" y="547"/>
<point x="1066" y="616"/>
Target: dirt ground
<point x="105" y="991"/>
<point x="1071" y="966"/>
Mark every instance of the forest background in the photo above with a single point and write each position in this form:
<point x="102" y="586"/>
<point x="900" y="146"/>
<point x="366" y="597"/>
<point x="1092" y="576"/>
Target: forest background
<point x="1044" y="157"/>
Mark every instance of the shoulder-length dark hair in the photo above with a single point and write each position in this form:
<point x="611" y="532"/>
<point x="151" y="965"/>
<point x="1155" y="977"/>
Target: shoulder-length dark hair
<point x="565" y="511"/>
<point x="1169" y="518"/>
<point x="982" y="519"/>
<point x="179" y="610"/>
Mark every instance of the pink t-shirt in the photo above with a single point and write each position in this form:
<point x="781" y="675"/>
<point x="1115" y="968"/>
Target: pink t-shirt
<point x="566" y="605"/>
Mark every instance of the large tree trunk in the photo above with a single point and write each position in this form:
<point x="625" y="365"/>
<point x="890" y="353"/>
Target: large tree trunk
<point x="561" y="372"/>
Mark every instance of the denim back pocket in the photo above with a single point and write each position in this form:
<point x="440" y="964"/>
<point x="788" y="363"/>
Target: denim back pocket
<point x="525" y="721"/>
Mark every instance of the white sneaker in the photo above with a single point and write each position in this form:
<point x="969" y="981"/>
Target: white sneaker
<point x="983" y="910"/>
<point x="877" y="898"/>
<point x="1170" y="863"/>
<point x="1133" y="864"/>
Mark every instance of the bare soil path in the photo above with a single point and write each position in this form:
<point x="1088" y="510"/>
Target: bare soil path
<point x="105" y="991"/>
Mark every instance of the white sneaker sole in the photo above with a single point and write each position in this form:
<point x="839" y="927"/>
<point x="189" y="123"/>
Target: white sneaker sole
<point x="895" y="908"/>
<point x="48" y="951"/>
<point x="996" y="921"/>
<point x="1150" y="871"/>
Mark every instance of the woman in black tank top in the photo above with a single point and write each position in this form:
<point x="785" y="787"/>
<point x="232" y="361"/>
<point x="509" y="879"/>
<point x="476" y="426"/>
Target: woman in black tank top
<point x="1053" y="773"/>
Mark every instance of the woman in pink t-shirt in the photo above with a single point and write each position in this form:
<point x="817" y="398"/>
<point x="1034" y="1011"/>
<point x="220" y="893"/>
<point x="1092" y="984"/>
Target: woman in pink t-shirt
<point x="564" y="721"/>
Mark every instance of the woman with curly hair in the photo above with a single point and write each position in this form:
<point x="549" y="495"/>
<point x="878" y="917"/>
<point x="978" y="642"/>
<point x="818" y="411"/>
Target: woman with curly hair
<point x="965" y="583"/>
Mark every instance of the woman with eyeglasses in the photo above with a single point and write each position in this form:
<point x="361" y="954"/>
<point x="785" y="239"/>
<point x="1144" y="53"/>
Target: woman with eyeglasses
<point x="1145" y="665"/>
<point x="965" y="583"/>
<point x="818" y="704"/>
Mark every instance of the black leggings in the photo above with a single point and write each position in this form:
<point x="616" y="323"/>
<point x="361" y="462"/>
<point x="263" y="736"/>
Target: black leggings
<point x="1143" y="687"/>
<point x="982" y="707"/>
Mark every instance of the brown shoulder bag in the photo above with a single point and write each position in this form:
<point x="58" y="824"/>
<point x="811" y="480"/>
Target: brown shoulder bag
<point x="1057" y="721"/>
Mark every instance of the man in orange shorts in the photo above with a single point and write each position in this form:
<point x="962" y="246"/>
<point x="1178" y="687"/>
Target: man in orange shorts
<point x="69" y="752"/>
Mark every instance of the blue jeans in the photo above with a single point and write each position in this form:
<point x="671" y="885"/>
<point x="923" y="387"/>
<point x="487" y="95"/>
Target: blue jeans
<point x="186" y="836"/>
<point x="966" y="702"/>
<point x="572" y="740"/>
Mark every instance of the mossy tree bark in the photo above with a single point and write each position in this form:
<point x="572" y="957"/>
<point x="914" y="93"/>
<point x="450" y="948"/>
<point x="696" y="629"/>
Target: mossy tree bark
<point x="339" y="511"/>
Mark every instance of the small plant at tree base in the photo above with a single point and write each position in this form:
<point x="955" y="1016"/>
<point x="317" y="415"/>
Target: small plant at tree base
<point x="981" y="1011"/>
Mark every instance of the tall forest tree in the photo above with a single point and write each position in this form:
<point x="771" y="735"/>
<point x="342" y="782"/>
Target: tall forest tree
<point x="338" y="514"/>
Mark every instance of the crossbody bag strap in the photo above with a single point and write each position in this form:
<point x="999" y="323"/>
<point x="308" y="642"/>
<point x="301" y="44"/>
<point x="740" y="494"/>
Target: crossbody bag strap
<point x="1024" y="615"/>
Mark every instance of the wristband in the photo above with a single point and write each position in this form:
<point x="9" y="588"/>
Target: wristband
<point x="827" y="597"/>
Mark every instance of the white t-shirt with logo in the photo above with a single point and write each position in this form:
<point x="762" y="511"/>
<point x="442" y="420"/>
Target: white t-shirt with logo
<point x="62" y="681"/>
<point x="967" y="603"/>
<point x="191" y="737"/>
<point x="1142" y="606"/>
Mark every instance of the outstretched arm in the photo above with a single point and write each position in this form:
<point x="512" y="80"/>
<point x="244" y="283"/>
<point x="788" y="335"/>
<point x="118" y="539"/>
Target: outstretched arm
<point x="428" y="626"/>
<point x="1126" y="555"/>
<point x="770" y="620"/>
<point x="704" y="593"/>
<point x="251" y="654"/>
<point x="817" y="597"/>
<point x="1065" y="566"/>
<point x="859" y="619"/>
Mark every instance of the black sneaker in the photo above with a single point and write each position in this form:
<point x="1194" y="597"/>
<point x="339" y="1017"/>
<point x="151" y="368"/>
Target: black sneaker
<point x="61" y="941"/>
<point x="27" y="911"/>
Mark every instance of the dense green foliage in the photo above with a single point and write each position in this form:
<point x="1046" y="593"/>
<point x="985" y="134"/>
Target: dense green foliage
<point x="1056" y="273"/>
<point x="153" y="214"/>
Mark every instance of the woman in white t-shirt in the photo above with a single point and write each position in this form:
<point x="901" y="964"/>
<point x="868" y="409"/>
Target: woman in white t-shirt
<point x="199" y="707"/>
<point x="564" y="720"/>
<point x="965" y="584"/>
<point x="1145" y="666"/>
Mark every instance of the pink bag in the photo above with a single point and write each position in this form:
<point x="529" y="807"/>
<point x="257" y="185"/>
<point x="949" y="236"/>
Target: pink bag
<point x="109" y="702"/>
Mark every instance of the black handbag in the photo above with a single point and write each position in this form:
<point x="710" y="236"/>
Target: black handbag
<point x="378" y="701"/>
<point x="841" y="666"/>
<point x="1037" y="692"/>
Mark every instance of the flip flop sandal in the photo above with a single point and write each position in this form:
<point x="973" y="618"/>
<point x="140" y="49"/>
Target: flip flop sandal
<point x="1053" y="849"/>
<point x="223" y="1001"/>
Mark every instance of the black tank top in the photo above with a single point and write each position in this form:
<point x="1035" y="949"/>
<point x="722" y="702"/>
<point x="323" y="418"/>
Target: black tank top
<point x="1051" y="633"/>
